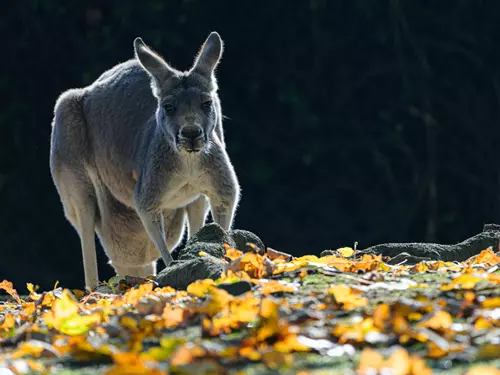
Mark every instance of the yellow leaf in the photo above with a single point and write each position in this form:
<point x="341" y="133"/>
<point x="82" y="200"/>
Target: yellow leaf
<point x="464" y="281"/>
<point x="33" y="295"/>
<point x="346" y="252"/>
<point x="202" y="254"/>
<point x="491" y="303"/>
<point x="200" y="287"/>
<point x="65" y="306"/>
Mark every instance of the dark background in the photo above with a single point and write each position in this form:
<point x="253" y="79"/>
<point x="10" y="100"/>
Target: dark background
<point x="368" y="121"/>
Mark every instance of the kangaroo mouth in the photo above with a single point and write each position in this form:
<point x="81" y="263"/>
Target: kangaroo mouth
<point x="191" y="145"/>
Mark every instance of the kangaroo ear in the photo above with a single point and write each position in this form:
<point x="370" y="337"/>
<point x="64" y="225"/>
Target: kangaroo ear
<point x="152" y="63"/>
<point x="209" y="56"/>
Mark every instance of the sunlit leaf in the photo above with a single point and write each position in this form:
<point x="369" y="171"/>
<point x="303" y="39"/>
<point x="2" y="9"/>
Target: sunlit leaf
<point x="9" y="288"/>
<point x="346" y="252"/>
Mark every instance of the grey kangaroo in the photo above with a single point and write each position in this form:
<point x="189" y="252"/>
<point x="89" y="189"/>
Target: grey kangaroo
<point x="138" y="151"/>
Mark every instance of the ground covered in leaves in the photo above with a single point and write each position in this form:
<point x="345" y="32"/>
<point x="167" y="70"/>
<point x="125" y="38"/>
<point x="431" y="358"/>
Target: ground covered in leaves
<point x="342" y="313"/>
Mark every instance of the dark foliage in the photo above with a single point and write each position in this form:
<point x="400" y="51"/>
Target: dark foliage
<point x="369" y="121"/>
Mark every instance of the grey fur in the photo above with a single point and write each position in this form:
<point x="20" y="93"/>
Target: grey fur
<point x="137" y="152"/>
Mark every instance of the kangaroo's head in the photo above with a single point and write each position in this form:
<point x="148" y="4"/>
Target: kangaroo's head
<point x="188" y="105"/>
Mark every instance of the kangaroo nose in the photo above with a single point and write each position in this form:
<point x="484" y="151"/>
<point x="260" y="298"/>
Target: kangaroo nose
<point x="191" y="132"/>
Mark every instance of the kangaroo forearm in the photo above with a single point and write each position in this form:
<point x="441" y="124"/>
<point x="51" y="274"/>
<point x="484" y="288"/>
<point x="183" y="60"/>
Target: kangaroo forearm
<point x="153" y="226"/>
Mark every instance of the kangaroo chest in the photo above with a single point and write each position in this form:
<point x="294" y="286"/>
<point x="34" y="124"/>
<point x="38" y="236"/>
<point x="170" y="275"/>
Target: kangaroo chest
<point x="185" y="184"/>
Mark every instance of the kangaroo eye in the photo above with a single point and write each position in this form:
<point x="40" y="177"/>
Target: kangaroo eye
<point x="207" y="104"/>
<point x="169" y="107"/>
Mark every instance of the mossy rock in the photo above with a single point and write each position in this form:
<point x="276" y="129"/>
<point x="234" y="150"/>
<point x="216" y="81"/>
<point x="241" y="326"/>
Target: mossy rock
<point x="212" y="233"/>
<point x="192" y="251"/>
<point x="180" y="274"/>
<point x="242" y="237"/>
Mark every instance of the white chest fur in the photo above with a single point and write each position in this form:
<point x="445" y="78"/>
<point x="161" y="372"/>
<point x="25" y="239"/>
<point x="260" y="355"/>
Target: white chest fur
<point x="186" y="182"/>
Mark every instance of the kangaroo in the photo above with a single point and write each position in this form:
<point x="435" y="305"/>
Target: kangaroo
<point x="136" y="153"/>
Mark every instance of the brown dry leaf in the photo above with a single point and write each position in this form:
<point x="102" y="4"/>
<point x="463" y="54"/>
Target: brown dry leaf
<point x="275" y="359"/>
<point x="9" y="288"/>
<point x="275" y="254"/>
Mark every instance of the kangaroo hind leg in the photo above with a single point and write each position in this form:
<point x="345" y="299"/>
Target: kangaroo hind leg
<point x="80" y="207"/>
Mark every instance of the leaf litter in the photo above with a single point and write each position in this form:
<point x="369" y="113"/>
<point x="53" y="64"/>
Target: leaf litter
<point x="302" y="315"/>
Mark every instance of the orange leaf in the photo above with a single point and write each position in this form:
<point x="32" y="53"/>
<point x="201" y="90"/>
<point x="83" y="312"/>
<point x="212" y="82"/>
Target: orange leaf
<point x="381" y="316"/>
<point x="399" y="362"/>
<point x="9" y="321"/>
<point x="486" y="257"/>
<point x="200" y="287"/>
<point x="231" y="253"/>
<point x="9" y="288"/>
<point x="370" y="362"/>
<point x="483" y="370"/>
<point x="185" y="354"/>
<point x="253" y="264"/>
<point x="347" y="297"/>
<point x="440" y="320"/>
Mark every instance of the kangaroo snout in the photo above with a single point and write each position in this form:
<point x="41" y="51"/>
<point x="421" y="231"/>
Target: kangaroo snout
<point x="191" y="138"/>
<point x="191" y="132"/>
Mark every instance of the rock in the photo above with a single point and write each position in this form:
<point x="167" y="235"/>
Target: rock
<point x="490" y="237"/>
<point x="212" y="233"/>
<point x="236" y="288"/>
<point x="242" y="237"/>
<point x="193" y="251"/>
<point x="407" y="259"/>
<point x="179" y="274"/>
